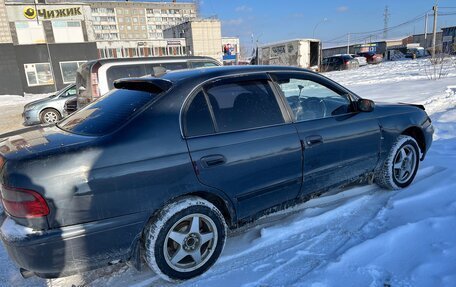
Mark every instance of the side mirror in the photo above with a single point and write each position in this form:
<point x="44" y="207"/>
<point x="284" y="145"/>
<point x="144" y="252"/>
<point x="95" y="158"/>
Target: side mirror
<point x="365" y="105"/>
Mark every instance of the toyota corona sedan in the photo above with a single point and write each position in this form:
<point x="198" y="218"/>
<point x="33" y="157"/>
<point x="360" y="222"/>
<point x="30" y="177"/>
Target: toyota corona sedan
<point x="159" y="169"/>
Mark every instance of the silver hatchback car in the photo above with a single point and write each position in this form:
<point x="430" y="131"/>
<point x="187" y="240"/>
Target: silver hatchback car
<point x="50" y="109"/>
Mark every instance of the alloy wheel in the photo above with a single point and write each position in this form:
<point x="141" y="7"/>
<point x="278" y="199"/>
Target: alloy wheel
<point x="51" y="117"/>
<point x="404" y="164"/>
<point x="190" y="242"/>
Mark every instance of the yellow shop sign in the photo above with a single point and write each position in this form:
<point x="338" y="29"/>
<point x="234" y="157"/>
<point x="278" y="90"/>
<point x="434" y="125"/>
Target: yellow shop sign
<point x="32" y="13"/>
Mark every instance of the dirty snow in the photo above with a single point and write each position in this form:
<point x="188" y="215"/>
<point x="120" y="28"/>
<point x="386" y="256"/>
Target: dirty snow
<point x="362" y="236"/>
<point x="11" y="230"/>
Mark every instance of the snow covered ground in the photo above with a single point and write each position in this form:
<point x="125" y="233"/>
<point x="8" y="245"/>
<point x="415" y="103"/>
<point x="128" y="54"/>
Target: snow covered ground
<point x="11" y="108"/>
<point x="362" y="236"/>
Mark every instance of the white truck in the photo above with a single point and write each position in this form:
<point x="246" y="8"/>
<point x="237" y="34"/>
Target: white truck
<point x="302" y="53"/>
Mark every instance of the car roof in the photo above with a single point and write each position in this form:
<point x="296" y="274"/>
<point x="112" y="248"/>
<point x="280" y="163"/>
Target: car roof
<point x="123" y="60"/>
<point x="202" y="74"/>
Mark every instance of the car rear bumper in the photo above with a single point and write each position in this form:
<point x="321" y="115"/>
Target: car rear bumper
<point x="69" y="250"/>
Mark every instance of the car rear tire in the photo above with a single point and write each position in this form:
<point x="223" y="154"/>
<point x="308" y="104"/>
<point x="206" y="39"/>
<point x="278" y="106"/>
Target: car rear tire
<point x="185" y="239"/>
<point x="49" y="116"/>
<point x="401" y="165"/>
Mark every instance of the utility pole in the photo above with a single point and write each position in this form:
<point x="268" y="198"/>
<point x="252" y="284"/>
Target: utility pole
<point x="348" y="43"/>
<point x="198" y="6"/>
<point x="47" y="42"/>
<point x="425" y="31"/>
<point x="434" y="32"/>
<point x="385" y="22"/>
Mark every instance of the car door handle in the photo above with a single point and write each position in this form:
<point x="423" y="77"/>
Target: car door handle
<point x="212" y="160"/>
<point x="313" y="140"/>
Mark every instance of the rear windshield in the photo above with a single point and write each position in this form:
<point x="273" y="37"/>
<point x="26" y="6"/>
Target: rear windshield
<point x="106" y="114"/>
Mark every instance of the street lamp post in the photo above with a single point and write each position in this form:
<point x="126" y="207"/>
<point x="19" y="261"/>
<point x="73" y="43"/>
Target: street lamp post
<point x="316" y="26"/>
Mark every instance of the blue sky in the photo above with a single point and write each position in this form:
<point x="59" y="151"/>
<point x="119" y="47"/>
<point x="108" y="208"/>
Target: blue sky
<point x="285" y="19"/>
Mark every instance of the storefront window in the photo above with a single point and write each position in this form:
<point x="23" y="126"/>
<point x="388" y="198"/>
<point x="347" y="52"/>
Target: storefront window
<point x="38" y="74"/>
<point x="68" y="70"/>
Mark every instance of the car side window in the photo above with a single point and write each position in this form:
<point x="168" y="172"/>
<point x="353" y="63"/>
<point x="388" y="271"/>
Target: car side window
<point x="198" y="119"/>
<point x="70" y="92"/>
<point x="310" y="100"/>
<point x="242" y="105"/>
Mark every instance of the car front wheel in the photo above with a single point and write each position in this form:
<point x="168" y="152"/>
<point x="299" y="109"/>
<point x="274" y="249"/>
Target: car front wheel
<point x="185" y="239"/>
<point x="49" y="116"/>
<point x="399" y="169"/>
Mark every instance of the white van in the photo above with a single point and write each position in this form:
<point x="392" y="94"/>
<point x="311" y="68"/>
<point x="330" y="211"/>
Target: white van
<point x="95" y="78"/>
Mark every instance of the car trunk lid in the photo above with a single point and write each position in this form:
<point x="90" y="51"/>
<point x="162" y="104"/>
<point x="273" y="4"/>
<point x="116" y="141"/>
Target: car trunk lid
<point x="25" y="201"/>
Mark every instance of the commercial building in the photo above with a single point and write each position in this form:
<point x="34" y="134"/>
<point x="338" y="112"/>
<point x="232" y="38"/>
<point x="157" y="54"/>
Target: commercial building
<point x="449" y="40"/>
<point x="443" y="41"/>
<point x="203" y="37"/>
<point x="48" y="43"/>
<point x="149" y="48"/>
<point x="425" y="40"/>
<point x="42" y="45"/>
<point x="379" y="47"/>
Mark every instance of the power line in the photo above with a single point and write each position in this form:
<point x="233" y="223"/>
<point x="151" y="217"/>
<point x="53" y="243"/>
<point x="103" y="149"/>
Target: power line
<point x="361" y="36"/>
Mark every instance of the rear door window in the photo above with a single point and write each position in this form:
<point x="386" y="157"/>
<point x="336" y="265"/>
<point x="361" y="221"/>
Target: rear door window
<point x="107" y="114"/>
<point x="198" y="117"/>
<point x="239" y="105"/>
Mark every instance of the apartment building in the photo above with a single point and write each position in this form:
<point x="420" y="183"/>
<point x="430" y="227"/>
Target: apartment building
<point x="138" y="20"/>
<point x="203" y="37"/>
<point x="5" y="35"/>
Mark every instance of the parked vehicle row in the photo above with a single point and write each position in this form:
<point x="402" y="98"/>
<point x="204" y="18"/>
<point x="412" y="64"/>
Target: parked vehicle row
<point x="160" y="167"/>
<point x="339" y="63"/>
<point x="349" y="61"/>
<point x="372" y="57"/>
<point x="362" y="61"/>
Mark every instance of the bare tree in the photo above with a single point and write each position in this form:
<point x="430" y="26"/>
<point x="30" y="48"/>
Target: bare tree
<point x="439" y="66"/>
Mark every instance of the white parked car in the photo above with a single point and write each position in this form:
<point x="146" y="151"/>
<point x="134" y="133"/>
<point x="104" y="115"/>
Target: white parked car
<point x="361" y="60"/>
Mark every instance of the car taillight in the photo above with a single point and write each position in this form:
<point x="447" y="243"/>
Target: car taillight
<point x="95" y="91"/>
<point x="23" y="203"/>
<point x="347" y="62"/>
